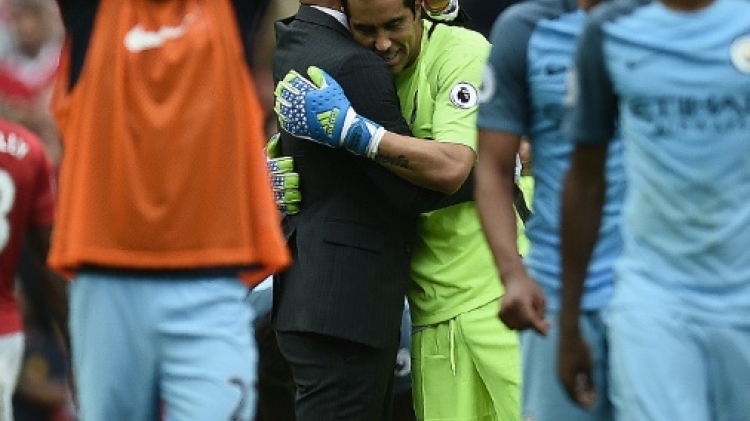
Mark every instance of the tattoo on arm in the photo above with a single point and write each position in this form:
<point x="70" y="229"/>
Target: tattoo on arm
<point x="397" y="161"/>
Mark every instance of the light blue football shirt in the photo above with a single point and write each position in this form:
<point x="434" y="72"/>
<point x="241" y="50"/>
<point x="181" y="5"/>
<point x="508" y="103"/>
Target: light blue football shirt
<point x="678" y="83"/>
<point x="523" y="92"/>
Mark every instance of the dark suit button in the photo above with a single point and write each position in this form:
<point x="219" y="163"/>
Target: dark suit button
<point x="407" y="248"/>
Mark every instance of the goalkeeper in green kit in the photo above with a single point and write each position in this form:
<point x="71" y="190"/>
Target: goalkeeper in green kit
<point x="466" y="363"/>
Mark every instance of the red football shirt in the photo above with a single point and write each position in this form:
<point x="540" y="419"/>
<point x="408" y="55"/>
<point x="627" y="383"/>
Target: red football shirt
<point x="26" y="200"/>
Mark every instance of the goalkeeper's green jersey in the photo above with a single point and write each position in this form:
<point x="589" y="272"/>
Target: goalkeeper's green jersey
<point x="452" y="268"/>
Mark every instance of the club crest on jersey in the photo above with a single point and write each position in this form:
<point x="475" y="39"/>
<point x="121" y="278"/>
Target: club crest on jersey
<point x="740" y="53"/>
<point x="464" y="95"/>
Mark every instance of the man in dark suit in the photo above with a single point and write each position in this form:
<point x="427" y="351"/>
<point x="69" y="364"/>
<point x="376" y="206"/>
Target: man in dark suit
<point x="337" y="310"/>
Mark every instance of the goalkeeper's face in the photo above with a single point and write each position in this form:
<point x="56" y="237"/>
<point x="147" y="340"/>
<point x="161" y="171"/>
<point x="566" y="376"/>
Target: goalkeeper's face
<point x="390" y="28"/>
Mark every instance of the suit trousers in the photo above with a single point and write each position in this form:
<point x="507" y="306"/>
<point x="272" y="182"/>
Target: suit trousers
<point x="339" y="379"/>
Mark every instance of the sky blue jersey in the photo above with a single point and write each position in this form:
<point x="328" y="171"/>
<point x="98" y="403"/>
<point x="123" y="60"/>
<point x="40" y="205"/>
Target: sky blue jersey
<point x="678" y="84"/>
<point x="523" y="92"/>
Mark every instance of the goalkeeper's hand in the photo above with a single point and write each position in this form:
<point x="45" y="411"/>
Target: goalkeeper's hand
<point x="317" y="109"/>
<point x="284" y="180"/>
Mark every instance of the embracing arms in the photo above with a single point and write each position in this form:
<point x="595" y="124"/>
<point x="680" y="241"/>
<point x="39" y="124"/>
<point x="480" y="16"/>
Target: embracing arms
<point x="318" y="110"/>
<point x="523" y="305"/>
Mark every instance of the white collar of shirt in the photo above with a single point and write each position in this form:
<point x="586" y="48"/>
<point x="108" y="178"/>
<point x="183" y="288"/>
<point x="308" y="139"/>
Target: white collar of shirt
<point x="337" y="14"/>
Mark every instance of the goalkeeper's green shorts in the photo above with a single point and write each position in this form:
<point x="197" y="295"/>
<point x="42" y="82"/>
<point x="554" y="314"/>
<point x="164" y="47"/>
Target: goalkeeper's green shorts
<point x="467" y="369"/>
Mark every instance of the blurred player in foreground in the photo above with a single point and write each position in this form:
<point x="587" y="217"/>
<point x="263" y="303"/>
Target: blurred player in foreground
<point x="166" y="215"/>
<point x="533" y="46"/>
<point x="26" y="214"/>
<point x="674" y="75"/>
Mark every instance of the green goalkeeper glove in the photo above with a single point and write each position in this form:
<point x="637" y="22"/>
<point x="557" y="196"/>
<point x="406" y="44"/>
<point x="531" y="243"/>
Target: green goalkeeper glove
<point x="284" y="180"/>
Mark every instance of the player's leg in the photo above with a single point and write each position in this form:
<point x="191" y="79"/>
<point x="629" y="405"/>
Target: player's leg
<point x="275" y="382"/>
<point x="544" y="397"/>
<point x="445" y="383"/>
<point x="113" y="348"/>
<point x="337" y="379"/>
<point x="208" y="352"/>
<point x="729" y="365"/>
<point x="11" y="358"/>
<point x="496" y="354"/>
<point x="658" y="365"/>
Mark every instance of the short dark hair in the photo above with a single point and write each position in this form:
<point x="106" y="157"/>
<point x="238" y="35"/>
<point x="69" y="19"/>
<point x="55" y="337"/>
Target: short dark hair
<point x="409" y="4"/>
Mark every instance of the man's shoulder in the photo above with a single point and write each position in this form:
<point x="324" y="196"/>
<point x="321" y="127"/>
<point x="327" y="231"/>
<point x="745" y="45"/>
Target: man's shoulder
<point x="609" y="14"/>
<point x="318" y="27"/>
<point x="323" y="42"/>
<point x="328" y="50"/>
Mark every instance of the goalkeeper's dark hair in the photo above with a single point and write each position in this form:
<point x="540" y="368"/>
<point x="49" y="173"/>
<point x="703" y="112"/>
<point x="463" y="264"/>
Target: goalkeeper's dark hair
<point x="461" y="20"/>
<point x="409" y="4"/>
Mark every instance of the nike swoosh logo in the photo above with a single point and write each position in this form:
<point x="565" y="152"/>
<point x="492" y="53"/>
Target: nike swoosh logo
<point x="138" y="39"/>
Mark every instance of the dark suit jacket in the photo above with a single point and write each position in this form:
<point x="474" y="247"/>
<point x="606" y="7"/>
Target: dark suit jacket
<point x="351" y="243"/>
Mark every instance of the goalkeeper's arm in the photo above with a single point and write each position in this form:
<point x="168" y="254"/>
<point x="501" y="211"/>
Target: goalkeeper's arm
<point x="440" y="166"/>
<point x="318" y="110"/>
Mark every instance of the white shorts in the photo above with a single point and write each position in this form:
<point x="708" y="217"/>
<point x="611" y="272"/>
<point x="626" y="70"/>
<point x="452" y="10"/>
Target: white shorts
<point x="11" y="357"/>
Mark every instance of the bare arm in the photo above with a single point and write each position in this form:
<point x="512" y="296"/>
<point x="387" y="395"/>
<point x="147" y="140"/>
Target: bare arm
<point x="523" y="304"/>
<point x="53" y="287"/>
<point x="494" y="199"/>
<point x="582" y="202"/>
<point x="440" y="166"/>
